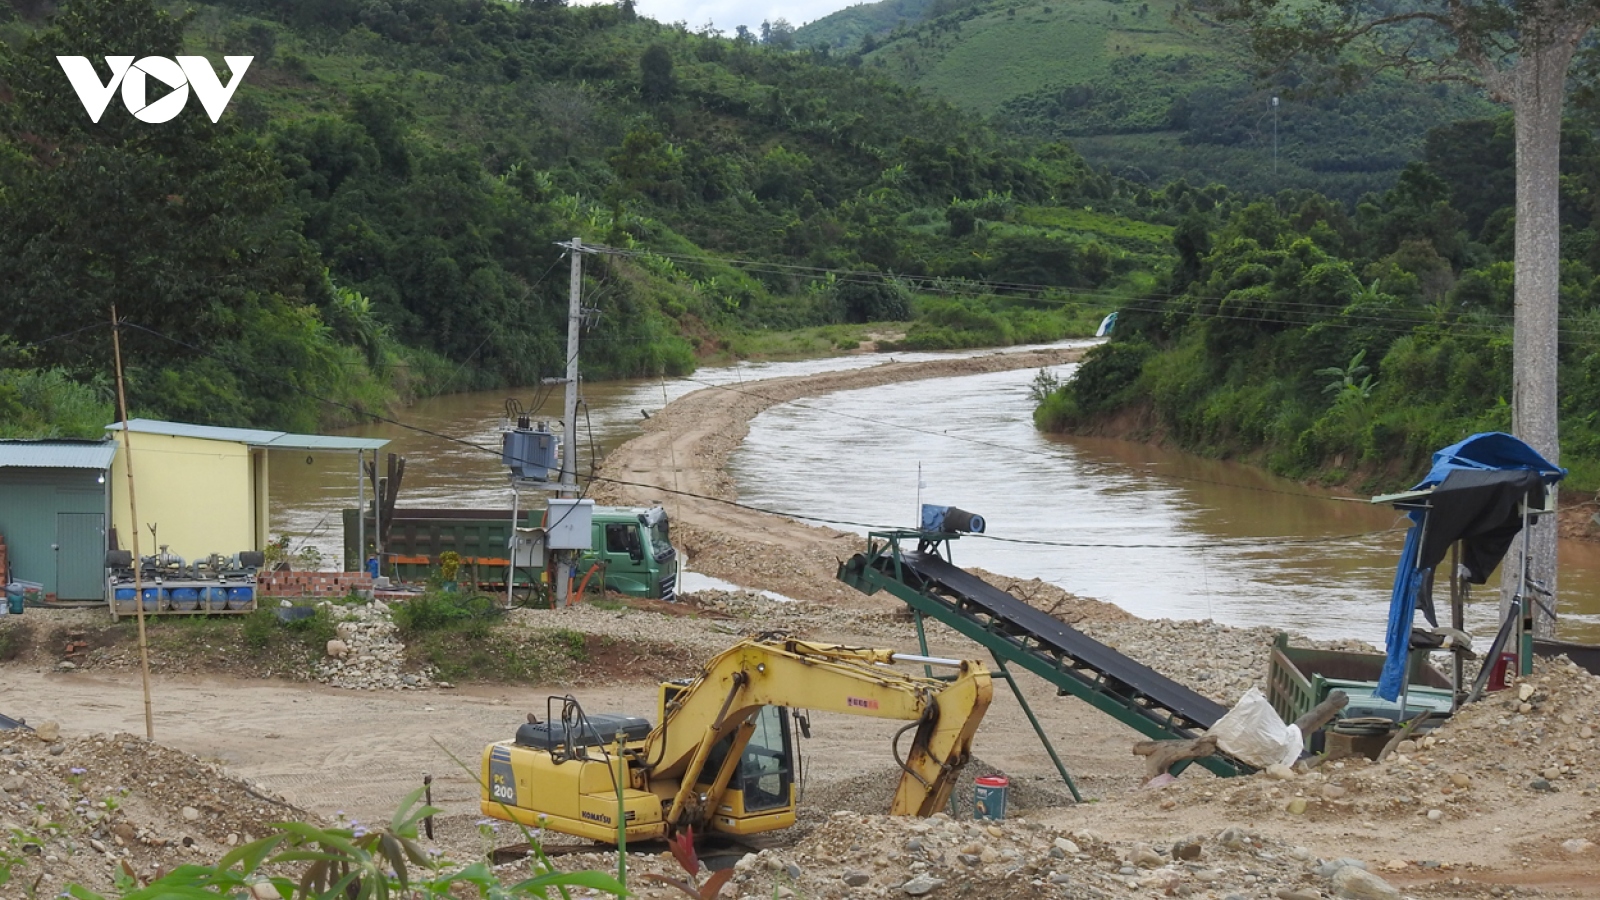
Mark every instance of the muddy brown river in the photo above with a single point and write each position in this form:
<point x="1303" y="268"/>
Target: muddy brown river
<point x="1159" y="533"/>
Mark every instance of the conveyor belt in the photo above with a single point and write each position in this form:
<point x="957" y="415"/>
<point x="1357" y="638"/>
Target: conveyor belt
<point x="1061" y="639"/>
<point x="1075" y="663"/>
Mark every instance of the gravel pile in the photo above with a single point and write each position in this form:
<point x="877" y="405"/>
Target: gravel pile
<point x="872" y="791"/>
<point x="1529" y="749"/>
<point x="1517" y="746"/>
<point x="866" y="856"/>
<point x="708" y="622"/>
<point x="368" y="655"/>
<point x="89" y="805"/>
<point x="1219" y="661"/>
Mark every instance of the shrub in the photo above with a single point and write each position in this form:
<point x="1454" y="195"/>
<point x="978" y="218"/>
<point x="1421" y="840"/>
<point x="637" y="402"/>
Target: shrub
<point x="436" y="611"/>
<point x="259" y="628"/>
<point x="1108" y="375"/>
<point x="879" y="300"/>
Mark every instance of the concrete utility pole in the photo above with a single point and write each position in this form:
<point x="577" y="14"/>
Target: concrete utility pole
<point x="569" y="446"/>
<point x="1274" y="135"/>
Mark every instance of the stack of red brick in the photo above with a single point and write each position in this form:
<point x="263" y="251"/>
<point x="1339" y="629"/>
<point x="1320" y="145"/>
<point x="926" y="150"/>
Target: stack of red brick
<point x="313" y="584"/>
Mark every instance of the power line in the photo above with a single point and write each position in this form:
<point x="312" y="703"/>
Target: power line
<point x="1397" y="321"/>
<point x="494" y="451"/>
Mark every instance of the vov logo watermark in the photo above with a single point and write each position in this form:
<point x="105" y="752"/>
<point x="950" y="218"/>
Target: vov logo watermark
<point x="180" y="74"/>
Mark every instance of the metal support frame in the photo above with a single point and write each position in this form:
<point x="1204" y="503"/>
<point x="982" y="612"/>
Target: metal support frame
<point x="883" y="567"/>
<point x="361" y="511"/>
<point x="1016" y="690"/>
<point x="1038" y="729"/>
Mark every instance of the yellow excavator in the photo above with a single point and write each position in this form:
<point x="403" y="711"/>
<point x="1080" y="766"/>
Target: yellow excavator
<point x="722" y="757"/>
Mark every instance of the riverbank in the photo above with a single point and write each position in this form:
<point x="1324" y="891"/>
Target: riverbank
<point x="681" y="462"/>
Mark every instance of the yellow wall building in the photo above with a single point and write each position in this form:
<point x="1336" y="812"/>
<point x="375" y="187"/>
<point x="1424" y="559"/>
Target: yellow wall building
<point x="203" y="488"/>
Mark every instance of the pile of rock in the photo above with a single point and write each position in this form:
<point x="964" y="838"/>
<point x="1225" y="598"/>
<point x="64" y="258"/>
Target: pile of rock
<point x="1219" y="661"/>
<point x="368" y="654"/>
<point x="76" y="810"/>
<point x="1480" y="782"/>
<point x="859" y="856"/>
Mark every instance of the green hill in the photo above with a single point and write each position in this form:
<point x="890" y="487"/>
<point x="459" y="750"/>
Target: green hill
<point x="1154" y="91"/>
<point x="376" y="214"/>
<point x="843" y="30"/>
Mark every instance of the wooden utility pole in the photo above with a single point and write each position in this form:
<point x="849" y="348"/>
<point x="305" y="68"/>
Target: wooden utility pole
<point x="133" y="516"/>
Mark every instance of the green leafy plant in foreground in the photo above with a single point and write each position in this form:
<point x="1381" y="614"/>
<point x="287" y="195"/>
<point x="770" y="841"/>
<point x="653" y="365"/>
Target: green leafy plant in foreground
<point x="349" y="863"/>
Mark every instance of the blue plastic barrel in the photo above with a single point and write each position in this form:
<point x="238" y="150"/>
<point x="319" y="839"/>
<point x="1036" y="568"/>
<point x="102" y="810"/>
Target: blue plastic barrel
<point x="240" y="597"/>
<point x="152" y="599"/>
<point x="216" y="597"/>
<point x="186" y="598"/>
<point x="124" y="599"/>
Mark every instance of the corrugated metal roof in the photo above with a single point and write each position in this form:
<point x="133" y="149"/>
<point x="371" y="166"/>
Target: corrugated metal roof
<point x="203" y="432"/>
<point x="324" y="442"/>
<point x="269" y="440"/>
<point x="57" y="454"/>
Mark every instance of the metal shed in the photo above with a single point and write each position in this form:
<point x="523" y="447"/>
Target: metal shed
<point x="54" y="505"/>
<point x="204" y="488"/>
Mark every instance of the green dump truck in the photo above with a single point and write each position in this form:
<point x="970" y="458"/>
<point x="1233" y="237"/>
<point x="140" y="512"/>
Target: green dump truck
<point x="631" y="553"/>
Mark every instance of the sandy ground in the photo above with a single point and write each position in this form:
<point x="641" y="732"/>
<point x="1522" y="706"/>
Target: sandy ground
<point x="331" y="751"/>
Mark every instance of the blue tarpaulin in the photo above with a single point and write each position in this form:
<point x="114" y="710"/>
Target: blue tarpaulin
<point x="1489" y="451"/>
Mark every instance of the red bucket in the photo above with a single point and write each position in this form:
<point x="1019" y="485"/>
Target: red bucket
<point x="1503" y="665"/>
<point x="989" y="797"/>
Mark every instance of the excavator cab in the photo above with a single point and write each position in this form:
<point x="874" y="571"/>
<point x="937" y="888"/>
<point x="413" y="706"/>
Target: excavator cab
<point x="760" y="794"/>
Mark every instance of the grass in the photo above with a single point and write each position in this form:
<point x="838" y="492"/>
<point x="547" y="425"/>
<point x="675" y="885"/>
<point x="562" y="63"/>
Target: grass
<point x="261" y="638"/>
<point x="799" y="343"/>
<point x="463" y="638"/>
<point x="477" y="651"/>
<point x="1145" y="236"/>
<point x="1014" y="56"/>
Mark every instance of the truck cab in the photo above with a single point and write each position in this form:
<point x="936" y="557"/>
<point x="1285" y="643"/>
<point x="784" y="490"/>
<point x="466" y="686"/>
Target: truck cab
<point x="634" y="547"/>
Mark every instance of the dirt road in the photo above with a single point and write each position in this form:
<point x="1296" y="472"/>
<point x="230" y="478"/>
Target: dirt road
<point x="330" y="751"/>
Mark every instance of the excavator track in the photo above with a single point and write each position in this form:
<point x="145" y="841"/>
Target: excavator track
<point x="716" y="851"/>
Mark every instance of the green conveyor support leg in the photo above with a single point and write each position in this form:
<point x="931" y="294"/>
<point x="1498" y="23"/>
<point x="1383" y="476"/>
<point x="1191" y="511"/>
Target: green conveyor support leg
<point x="1038" y="729"/>
<point x="922" y="641"/>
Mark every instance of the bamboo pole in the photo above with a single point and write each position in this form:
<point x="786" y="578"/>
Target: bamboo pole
<point x="133" y="514"/>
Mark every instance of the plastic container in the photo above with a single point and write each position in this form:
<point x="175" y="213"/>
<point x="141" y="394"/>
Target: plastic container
<point x="152" y="599"/>
<point x="123" y="597"/>
<point x="989" y="797"/>
<point x="186" y="599"/>
<point x="216" y="597"/>
<point x="241" y="597"/>
<point x="19" y="593"/>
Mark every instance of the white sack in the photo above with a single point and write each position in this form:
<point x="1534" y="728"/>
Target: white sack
<point x="1252" y="731"/>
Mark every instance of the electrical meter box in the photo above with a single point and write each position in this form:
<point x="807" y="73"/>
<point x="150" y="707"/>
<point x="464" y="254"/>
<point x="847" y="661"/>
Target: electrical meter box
<point x="569" y="525"/>
<point x="527" y="548"/>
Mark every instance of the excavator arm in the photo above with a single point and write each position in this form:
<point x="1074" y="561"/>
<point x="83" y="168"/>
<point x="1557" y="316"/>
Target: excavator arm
<point x="943" y="716"/>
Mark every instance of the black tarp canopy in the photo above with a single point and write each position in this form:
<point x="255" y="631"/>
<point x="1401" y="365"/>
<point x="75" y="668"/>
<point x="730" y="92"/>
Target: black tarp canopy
<point x="1476" y="493"/>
